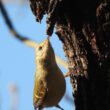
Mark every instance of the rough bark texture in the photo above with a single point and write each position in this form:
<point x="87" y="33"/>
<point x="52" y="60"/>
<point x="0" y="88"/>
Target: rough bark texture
<point x="83" y="26"/>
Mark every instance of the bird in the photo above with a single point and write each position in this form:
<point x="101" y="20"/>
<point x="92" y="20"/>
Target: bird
<point x="50" y="85"/>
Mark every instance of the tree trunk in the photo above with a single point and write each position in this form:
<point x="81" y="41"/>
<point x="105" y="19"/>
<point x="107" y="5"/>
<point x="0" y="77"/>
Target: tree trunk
<point x="83" y="26"/>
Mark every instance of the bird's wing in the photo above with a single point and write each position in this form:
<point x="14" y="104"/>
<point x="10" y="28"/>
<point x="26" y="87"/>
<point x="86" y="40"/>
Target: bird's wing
<point x="40" y="93"/>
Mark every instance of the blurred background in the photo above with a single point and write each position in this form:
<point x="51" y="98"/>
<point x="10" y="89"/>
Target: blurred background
<point x="17" y="61"/>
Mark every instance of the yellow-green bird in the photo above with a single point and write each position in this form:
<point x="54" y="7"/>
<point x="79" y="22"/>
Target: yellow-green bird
<point x="50" y="84"/>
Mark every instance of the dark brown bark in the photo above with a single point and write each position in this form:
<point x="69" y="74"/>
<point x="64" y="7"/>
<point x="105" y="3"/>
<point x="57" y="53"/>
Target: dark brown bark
<point x="83" y="26"/>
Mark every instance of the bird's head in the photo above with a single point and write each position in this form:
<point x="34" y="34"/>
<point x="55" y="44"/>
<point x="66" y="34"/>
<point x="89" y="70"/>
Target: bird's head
<point x="44" y="51"/>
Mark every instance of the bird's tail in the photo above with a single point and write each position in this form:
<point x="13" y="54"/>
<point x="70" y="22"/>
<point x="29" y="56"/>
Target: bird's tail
<point x="38" y="108"/>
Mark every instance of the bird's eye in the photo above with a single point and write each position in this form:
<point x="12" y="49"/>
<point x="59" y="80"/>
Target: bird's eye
<point x="40" y="48"/>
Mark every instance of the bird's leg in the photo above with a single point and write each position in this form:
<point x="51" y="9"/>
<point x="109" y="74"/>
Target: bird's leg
<point x="59" y="107"/>
<point x="67" y="74"/>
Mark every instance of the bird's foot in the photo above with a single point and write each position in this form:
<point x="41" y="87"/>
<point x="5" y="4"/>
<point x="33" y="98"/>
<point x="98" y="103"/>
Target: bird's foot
<point x="67" y="74"/>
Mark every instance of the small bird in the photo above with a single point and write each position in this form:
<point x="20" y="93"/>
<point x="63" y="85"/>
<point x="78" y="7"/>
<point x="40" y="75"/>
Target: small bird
<point x="50" y="84"/>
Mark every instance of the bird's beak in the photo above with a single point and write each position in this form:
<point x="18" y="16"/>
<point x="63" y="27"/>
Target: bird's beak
<point x="48" y="39"/>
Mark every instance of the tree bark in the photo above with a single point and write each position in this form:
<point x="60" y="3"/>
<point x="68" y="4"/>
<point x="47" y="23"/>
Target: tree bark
<point x="84" y="29"/>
